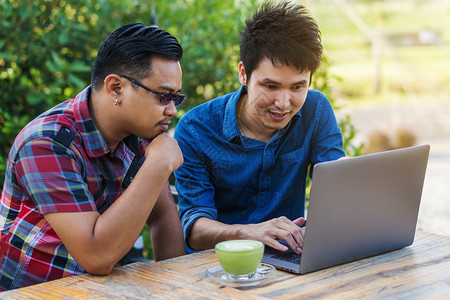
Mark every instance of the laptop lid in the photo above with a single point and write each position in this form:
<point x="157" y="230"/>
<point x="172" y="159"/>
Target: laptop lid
<point x="362" y="206"/>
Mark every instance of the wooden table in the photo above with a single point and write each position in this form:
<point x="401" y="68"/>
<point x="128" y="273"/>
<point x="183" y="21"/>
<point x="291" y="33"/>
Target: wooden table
<point x="420" y="271"/>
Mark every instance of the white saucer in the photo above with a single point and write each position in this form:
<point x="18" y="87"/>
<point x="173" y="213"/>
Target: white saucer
<point x="263" y="272"/>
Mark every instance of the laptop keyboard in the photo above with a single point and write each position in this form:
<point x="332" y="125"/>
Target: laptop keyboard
<point x="291" y="257"/>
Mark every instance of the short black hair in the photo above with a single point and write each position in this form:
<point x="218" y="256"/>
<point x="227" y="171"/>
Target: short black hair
<point x="285" y="33"/>
<point x="128" y="51"/>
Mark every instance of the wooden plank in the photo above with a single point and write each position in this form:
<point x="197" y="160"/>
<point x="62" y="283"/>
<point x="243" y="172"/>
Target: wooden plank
<point x="420" y="271"/>
<point x="135" y="281"/>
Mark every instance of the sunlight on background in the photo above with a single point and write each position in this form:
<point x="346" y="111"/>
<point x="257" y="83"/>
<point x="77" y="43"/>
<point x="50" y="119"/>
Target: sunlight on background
<point x="391" y="66"/>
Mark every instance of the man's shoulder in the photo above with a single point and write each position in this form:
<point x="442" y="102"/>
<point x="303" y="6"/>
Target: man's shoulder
<point x="315" y="99"/>
<point x="51" y="121"/>
<point x="207" y="112"/>
<point x="56" y="124"/>
<point x="316" y="95"/>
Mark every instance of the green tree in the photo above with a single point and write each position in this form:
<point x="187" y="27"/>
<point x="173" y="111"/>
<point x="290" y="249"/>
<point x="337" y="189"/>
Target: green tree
<point x="47" y="48"/>
<point x="46" y="52"/>
<point x="209" y="33"/>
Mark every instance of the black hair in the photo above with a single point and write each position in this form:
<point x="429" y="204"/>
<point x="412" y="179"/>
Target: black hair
<point x="128" y="51"/>
<point x="283" y="33"/>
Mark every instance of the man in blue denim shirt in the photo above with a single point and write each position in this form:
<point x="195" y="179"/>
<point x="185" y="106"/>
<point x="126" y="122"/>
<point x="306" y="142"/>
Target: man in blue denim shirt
<point x="247" y="154"/>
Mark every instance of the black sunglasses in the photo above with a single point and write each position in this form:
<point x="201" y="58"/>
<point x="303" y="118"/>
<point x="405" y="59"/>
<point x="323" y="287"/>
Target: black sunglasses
<point x="164" y="98"/>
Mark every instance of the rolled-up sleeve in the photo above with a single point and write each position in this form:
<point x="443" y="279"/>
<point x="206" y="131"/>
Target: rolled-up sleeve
<point x="326" y="142"/>
<point x="51" y="176"/>
<point x="193" y="184"/>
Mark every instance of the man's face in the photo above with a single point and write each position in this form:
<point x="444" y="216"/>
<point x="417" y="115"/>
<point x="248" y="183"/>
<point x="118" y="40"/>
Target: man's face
<point x="275" y="94"/>
<point x="147" y="117"/>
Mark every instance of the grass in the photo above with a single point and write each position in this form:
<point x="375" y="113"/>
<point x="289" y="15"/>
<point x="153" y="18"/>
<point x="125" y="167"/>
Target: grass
<point x="405" y="71"/>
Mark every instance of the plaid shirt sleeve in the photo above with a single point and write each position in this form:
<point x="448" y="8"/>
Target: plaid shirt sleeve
<point x="52" y="175"/>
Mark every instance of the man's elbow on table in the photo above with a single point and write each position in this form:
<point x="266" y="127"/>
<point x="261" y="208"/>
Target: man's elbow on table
<point x="100" y="271"/>
<point x="97" y="266"/>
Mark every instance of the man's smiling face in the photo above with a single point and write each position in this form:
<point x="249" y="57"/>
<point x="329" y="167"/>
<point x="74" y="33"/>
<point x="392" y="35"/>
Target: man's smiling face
<point x="275" y="95"/>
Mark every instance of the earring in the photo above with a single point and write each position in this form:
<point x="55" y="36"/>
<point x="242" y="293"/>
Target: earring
<point x="116" y="101"/>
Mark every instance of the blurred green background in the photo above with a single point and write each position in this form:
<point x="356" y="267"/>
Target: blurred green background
<point x="389" y="65"/>
<point x="386" y="49"/>
<point x="47" y="49"/>
<point x="375" y="51"/>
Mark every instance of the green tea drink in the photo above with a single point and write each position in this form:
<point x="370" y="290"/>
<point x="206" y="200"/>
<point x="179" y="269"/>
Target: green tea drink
<point x="239" y="257"/>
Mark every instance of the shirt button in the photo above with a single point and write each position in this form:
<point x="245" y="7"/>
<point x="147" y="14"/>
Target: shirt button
<point x="261" y="205"/>
<point x="131" y="179"/>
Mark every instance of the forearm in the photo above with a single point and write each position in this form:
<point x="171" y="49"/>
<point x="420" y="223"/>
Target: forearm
<point x="206" y="233"/>
<point x="97" y="241"/>
<point x="165" y="227"/>
<point x="120" y="225"/>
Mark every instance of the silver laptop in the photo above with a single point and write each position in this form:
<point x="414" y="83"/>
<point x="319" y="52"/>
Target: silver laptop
<point x="359" y="207"/>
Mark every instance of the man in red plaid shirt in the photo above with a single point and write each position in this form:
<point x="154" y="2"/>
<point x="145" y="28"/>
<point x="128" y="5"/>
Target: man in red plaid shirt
<point x="84" y="177"/>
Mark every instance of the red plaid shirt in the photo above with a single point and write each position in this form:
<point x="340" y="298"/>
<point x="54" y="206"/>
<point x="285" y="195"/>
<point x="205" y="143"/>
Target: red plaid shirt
<point x="49" y="172"/>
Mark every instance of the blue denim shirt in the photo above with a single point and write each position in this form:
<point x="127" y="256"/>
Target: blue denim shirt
<point x="237" y="180"/>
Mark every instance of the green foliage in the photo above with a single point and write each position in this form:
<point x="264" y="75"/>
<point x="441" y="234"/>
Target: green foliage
<point x="148" y="247"/>
<point x="209" y="31"/>
<point x="47" y="48"/>
<point x="46" y="51"/>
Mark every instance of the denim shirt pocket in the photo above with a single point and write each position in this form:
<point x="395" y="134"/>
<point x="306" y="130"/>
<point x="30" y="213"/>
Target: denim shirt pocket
<point x="293" y="157"/>
<point x="223" y="171"/>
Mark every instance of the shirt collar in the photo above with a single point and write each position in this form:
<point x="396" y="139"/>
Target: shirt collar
<point x="132" y="142"/>
<point x="94" y="143"/>
<point x="230" y="128"/>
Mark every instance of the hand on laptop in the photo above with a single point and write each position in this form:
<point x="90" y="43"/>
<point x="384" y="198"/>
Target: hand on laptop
<point x="279" y="228"/>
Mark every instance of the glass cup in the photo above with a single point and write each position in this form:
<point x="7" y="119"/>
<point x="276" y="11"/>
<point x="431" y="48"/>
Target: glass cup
<point x="239" y="258"/>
